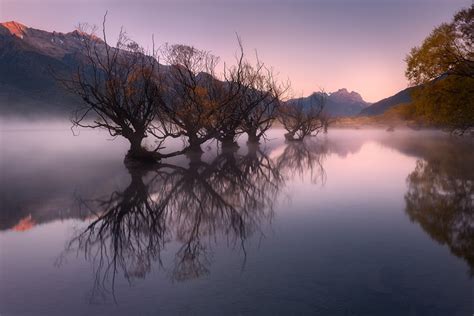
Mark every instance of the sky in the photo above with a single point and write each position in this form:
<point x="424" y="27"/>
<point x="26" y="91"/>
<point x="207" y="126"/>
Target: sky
<point x="321" y="44"/>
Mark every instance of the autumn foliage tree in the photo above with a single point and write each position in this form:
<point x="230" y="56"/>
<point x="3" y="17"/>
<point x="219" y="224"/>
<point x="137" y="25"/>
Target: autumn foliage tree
<point x="443" y="66"/>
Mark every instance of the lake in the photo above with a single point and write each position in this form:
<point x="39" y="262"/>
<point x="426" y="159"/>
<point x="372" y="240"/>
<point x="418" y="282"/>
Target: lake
<point x="355" y="222"/>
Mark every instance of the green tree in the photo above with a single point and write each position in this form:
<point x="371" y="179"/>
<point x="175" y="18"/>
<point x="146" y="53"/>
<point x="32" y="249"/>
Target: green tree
<point x="443" y="67"/>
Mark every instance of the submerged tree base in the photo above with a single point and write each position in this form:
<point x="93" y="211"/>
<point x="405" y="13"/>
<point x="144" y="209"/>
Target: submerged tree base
<point x="194" y="154"/>
<point x="141" y="157"/>
<point x="229" y="144"/>
<point x="291" y="137"/>
<point x="253" y="139"/>
<point x="193" y="149"/>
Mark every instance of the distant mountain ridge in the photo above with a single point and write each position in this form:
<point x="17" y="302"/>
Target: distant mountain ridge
<point x="383" y="105"/>
<point x="27" y="57"/>
<point x="338" y="103"/>
<point x="27" y="87"/>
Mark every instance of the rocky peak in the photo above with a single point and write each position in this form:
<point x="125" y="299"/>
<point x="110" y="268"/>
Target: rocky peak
<point x="15" y="28"/>
<point x="53" y="44"/>
<point x="78" y="34"/>
<point x="343" y="95"/>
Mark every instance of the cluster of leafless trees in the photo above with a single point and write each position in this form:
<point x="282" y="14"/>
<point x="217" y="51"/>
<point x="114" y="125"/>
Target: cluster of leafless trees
<point x="128" y="92"/>
<point x="301" y="120"/>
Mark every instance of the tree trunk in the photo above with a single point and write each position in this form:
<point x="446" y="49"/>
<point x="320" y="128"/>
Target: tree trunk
<point x="252" y="137"/>
<point x="137" y="152"/>
<point x="194" y="144"/>
<point x="135" y="145"/>
<point x="228" y="141"/>
<point x="252" y="152"/>
<point x="290" y="136"/>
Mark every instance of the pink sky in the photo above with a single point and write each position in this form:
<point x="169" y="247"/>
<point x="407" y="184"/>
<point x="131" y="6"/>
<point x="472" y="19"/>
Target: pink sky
<point x="355" y="44"/>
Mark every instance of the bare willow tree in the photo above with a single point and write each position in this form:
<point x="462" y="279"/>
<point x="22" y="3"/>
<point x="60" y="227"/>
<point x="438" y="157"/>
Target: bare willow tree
<point x="120" y="88"/>
<point x="263" y="98"/>
<point x="193" y="95"/>
<point x="303" y="117"/>
<point x="326" y="120"/>
<point x="201" y="104"/>
<point x="252" y="96"/>
<point x="233" y="108"/>
<point x="128" y="93"/>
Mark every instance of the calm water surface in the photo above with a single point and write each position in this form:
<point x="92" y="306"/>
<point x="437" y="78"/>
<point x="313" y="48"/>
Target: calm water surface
<point x="358" y="222"/>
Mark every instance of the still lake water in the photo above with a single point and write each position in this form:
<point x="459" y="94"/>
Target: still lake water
<point x="356" y="222"/>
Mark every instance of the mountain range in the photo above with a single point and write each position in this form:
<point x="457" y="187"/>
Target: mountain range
<point x="338" y="103"/>
<point x="29" y="57"/>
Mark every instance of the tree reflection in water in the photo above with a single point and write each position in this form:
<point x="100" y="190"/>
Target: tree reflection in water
<point x="440" y="198"/>
<point x="304" y="158"/>
<point x="231" y="196"/>
<point x="127" y="232"/>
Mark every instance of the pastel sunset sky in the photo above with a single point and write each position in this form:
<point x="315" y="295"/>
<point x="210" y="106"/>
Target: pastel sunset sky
<point x="355" y="44"/>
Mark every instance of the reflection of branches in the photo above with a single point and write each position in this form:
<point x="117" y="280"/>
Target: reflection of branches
<point x="306" y="157"/>
<point x="230" y="196"/>
<point x="442" y="202"/>
<point x="127" y="235"/>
